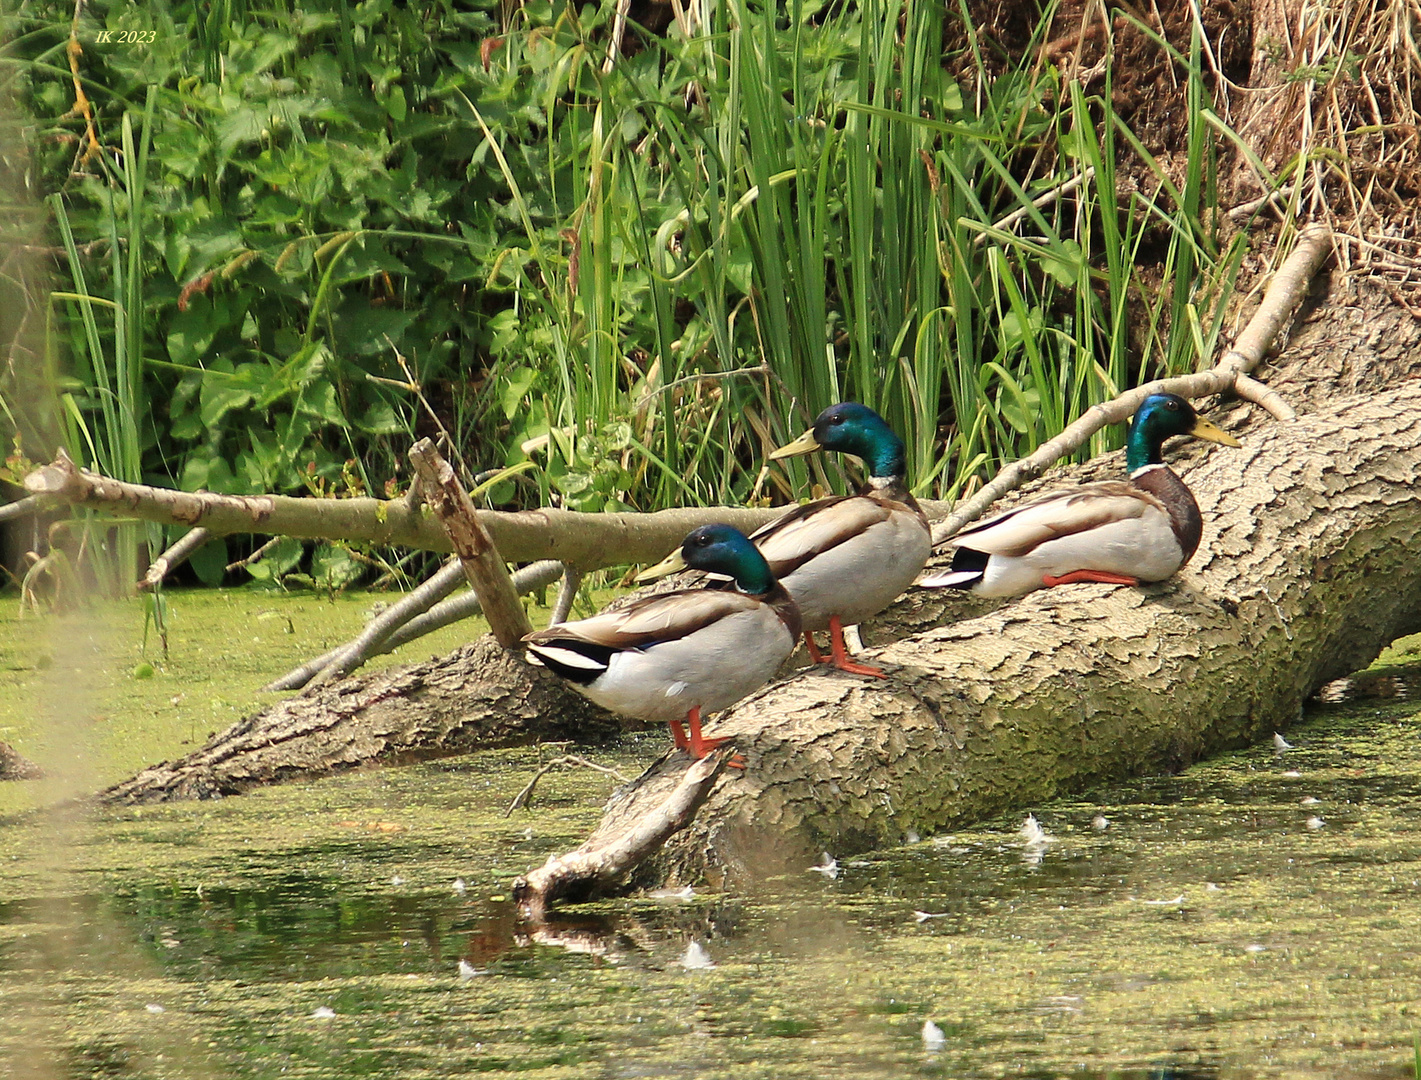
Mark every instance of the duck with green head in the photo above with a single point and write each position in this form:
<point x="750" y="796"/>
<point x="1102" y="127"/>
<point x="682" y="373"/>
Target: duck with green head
<point x="673" y="656"/>
<point x="847" y="557"/>
<point x="1120" y="533"/>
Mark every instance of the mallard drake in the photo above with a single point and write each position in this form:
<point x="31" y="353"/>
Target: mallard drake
<point x="676" y="655"/>
<point x="1121" y="533"/>
<point x="847" y="557"/>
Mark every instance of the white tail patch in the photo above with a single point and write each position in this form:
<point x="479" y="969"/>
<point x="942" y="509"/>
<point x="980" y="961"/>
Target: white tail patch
<point x="569" y="658"/>
<point x="949" y="579"/>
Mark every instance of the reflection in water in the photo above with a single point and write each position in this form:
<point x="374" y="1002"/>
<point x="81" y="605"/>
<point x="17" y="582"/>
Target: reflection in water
<point x="1367" y="685"/>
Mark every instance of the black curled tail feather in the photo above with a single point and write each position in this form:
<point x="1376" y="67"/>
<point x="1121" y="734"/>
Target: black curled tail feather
<point x="554" y="655"/>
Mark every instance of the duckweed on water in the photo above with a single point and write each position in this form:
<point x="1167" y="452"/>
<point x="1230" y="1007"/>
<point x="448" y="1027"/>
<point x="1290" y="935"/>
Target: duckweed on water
<point x="72" y="699"/>
<point x="315" y="930"/>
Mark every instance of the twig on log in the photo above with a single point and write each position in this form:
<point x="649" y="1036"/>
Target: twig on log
<point x="487" y="572"/>
<point x="18" y="509"/>
<point x="1265" y="397"/>
<point x="567" y="593"/>
<point x="525" y="796"/>
<point x="601" y="863"/>
<point x="1284" y="294"/>
<point x="175" y="556"/>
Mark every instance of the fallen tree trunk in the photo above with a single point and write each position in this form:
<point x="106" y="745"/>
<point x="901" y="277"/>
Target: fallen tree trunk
<point x="1307" y="569"/>
<point x="478" y="697"/>
<point x="423" y="712"/>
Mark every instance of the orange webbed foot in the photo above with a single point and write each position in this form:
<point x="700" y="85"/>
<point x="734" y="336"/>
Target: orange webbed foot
<point x="698" y="746"/>
<point x="841" y="653"/>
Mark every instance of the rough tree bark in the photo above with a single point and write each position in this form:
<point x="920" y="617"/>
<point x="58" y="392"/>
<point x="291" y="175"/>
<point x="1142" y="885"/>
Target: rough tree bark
<point x="1306" y="571"/>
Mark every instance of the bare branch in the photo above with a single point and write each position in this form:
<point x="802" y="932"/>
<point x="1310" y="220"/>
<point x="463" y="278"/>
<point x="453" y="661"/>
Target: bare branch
<point x="344" y="659"/>
<point x="422" y="612"/>
<point x="608" y="855"/>
<point x="173" y="558"/>
<point x="1040" y="201"/>
<point x="567" y="593"/>
<point x="242" y="564"/>
<point x="1250" y="389"/>
<point x="20" y="508"/>
<point x="586" y="541"/>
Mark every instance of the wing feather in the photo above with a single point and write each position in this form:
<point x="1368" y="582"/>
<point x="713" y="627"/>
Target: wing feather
<point x="664" y="617"/>
<point x="1064" y="513"/>
<point x="814" y="528"/>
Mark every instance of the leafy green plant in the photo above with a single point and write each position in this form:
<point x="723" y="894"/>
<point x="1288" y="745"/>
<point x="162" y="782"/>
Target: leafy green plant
<point x="632" y="277"/>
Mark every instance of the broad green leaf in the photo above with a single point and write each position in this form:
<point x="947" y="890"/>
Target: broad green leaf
<point x="209" y="562"/>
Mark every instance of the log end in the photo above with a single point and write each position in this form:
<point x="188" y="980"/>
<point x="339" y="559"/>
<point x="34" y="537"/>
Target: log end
<point x="624" y="841"/>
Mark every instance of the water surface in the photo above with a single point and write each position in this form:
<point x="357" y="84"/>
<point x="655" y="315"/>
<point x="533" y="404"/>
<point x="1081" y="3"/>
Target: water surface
<point x="1255" y="916"/>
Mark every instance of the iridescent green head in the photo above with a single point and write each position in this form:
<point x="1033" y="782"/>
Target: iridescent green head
<point x="718" y="549"/>
<point x="1160" y="416"/>
<point x="851" y="428"/>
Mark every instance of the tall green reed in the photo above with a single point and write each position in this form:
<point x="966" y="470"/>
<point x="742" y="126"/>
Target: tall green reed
<point x="964" y="266"/>
<point x="109" y="332"/>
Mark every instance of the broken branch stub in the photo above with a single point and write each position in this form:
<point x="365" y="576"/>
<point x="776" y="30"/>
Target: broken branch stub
<point x="487" y="572"/>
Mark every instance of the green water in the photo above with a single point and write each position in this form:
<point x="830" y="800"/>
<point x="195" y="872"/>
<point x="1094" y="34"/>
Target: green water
<point x="315" y="929"/>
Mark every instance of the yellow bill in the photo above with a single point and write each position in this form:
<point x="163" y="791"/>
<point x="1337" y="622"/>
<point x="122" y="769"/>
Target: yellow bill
<point x="1209" y="432"/>
<point x="805" y="444"/>
<point x="667" y="566"/>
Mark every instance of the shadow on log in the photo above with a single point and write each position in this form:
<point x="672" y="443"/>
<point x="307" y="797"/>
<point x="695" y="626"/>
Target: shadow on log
<point x="1307" y="569"/>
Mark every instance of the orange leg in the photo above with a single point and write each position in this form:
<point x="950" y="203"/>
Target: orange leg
<point x="814" y="654"/>
<point x="700" y="746"/>
<point x="1102" y="576"/>
<point x="678" y="736"/>
<point x="841" y="652"/>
